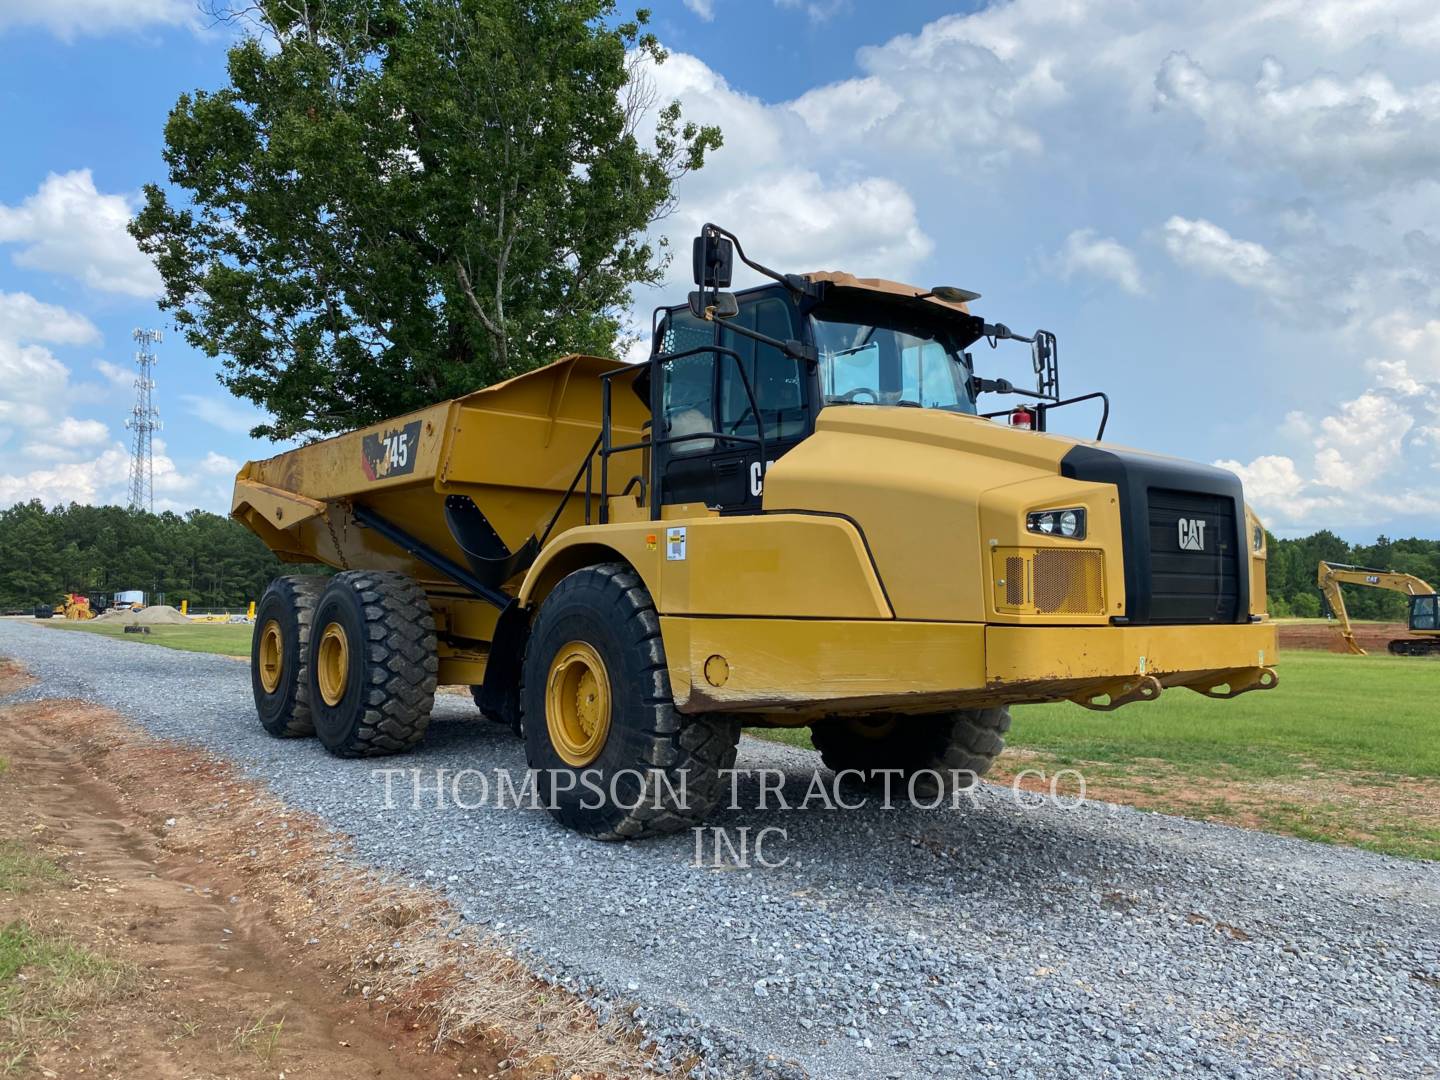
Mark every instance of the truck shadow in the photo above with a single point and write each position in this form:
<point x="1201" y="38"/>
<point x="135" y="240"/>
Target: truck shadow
<point x="807" y="823"/>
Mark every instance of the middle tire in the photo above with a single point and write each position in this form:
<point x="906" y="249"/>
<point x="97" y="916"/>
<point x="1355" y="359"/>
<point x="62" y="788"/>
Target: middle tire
<point x="373" y="664"/>
<point x="596" y="705"/>
<point x="957" y="746"/>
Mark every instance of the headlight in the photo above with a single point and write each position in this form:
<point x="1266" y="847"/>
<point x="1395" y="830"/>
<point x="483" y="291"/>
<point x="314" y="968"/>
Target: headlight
<point x="1258" y="538"/>
<point x="1067" y="523"/>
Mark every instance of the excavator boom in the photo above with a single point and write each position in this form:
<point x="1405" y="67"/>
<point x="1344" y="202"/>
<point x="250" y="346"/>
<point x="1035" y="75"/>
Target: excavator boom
<point x="1330" y="576"/>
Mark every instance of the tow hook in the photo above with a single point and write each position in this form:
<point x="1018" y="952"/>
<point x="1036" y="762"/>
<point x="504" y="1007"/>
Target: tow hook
<point x="1121" y="692"/>
<point x="1237" y="682"/>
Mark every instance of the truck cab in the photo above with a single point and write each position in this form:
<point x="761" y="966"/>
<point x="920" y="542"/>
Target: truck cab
<point x="870" y="343"/>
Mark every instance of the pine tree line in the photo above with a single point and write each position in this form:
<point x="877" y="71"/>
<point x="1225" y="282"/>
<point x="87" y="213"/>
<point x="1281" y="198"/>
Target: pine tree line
<point x="1290" y="573"/>
<point x="204" y="558"/>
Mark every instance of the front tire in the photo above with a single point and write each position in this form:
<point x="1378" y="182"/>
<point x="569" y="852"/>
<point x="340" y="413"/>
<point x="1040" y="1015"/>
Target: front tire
<point x="280" y="655"/>
<point x="614" y="759"/>
<point x="957" y="746"/>
<point x="373" y="664"/>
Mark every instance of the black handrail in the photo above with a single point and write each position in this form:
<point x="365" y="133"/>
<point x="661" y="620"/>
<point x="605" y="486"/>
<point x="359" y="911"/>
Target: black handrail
<point x="608" y="449"/>
<point x="1042" y="407"/>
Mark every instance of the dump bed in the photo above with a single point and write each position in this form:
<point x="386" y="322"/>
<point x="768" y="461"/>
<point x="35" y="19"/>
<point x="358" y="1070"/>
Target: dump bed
<point x="513" y="449"/>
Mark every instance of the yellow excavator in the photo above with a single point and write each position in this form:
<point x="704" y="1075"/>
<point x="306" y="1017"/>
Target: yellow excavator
<point x="1424" y="606"/>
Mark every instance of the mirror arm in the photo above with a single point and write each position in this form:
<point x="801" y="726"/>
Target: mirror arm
<point x="796" y="350"/>
<point x="794" y="282"/>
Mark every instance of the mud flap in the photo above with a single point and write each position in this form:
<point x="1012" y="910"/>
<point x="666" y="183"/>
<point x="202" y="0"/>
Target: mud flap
<point x="500" y="693"/>
<point x="490" y="559"/>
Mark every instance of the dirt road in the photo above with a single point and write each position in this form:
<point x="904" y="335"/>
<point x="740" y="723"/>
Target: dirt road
<point x="1004" y="937"/>
<point x="147" y="859"/>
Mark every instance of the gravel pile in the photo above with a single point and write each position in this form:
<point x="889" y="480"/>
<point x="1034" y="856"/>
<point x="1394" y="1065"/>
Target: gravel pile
<point x="154" y="615"/>
<point x="999" y="939"/>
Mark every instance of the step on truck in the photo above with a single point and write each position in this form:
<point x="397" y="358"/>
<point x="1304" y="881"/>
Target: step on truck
<point x="797" y="512"/>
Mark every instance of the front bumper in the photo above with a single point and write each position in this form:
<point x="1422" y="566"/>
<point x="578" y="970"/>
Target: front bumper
<point x="803" y="668"/>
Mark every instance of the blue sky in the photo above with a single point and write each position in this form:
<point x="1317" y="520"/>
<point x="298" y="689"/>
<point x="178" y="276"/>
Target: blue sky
<point x="1227" y="212"/>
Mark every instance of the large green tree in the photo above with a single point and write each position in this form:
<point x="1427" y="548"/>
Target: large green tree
<point x="397" y="201"/>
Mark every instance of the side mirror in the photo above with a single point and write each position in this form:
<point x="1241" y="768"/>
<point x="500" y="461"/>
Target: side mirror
<point x="714" y="258"/>
<point x="718" y="305"/>
<point x="1041" y="351"/>
<point x="1045" y="352"/>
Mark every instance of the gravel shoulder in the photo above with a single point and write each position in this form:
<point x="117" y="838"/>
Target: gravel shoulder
<point x="997" y="939"/>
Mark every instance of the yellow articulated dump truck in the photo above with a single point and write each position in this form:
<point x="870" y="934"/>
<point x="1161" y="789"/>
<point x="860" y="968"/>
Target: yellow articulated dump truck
<point x="796" y="512"/>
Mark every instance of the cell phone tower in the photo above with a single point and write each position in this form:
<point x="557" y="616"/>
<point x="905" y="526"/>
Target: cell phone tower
<point x="144" y="421"/>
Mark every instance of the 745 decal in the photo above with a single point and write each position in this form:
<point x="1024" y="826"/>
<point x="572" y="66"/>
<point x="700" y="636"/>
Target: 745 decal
<point x="390" y="451"/>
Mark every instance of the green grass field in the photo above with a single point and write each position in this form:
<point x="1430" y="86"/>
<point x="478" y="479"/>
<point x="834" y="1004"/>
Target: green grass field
<point x="1345" y="749"/>
<point x="1371" y="713"/>
<point x="227" y="639"/>
<point x="46" y="981"/>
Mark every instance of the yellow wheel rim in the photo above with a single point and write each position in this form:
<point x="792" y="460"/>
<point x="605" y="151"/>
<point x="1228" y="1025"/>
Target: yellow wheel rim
<point x="332" y="663"/>
<point x="577" y="703"/>
<point x="272" y="656"/>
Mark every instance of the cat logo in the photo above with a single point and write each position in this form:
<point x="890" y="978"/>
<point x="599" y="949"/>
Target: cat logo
<point x="1192" y="534"/>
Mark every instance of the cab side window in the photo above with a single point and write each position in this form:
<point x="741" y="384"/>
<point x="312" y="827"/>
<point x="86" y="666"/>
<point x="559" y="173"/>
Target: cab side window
<point x="774" y="378"/>
<point x="705" y="392"/>
<point x="1427" y="613"/>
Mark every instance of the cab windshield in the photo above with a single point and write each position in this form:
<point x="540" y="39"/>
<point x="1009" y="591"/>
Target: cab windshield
<point x="876" y="357"/>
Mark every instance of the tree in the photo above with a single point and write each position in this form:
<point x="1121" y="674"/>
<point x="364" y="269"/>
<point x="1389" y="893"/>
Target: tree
<point x="397" y="201"/>
<point x="209" y="560"/>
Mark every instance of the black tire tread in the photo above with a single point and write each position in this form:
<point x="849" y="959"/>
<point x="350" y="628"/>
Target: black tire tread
<point x="701" y="746"/>
<point x="302" y="592"/>
<point x="962" y="740"/>
<point x="403" y="664"/>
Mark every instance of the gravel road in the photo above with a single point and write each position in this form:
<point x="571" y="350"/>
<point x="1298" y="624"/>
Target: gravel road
<point x="997" y="939"/>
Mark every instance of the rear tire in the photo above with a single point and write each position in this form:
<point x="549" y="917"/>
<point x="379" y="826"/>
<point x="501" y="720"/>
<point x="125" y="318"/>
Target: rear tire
<point x="596" y="641"/>
<point x="373" y="664"/>
<point x="958" y="746"/>
<point x="280" y="654"/>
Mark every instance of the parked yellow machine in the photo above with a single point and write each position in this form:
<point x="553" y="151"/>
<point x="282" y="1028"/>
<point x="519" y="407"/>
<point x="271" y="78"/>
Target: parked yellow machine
<point x="793" y="514"/>
<point x="1424" y="616"/>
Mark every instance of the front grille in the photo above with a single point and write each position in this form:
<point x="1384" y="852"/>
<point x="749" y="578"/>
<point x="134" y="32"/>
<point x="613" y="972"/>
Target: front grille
<point x="1014" y="581"/>
<point x="1194" y="561"/>
<point x="1069" y="582"/>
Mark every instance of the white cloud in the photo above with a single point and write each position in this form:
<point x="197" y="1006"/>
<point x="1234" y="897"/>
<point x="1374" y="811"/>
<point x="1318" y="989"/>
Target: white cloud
<point x="33" y="385"/>
<point x="69" y="227"/>
<point x="63" y="439"/>
<point x="1089" y="256"/>
<point x="214" y="464"/>
<point x="23" y="318"/>
<point x="817" y="11"/>
<point x="1370" y="454"/>
<point x="69" y="19"/>
<point x="1365" y="129"/>
<point x="1411" y="361"/>
<point x="703" y="9"/>
<point x="104" y="478"/>
<point x="758" y="185"/>
<point x="847" y="109"/>
<point x="1204" y="246"/>
<point x="118" y="376"/>
<point x="227" y="414"/>
<point x="869" y="223"/>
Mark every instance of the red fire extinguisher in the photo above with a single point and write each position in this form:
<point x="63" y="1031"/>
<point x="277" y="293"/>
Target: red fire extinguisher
<point x="1023" y="419"/>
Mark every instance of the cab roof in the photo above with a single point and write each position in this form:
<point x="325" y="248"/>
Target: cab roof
<point x="849" y="282"/>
